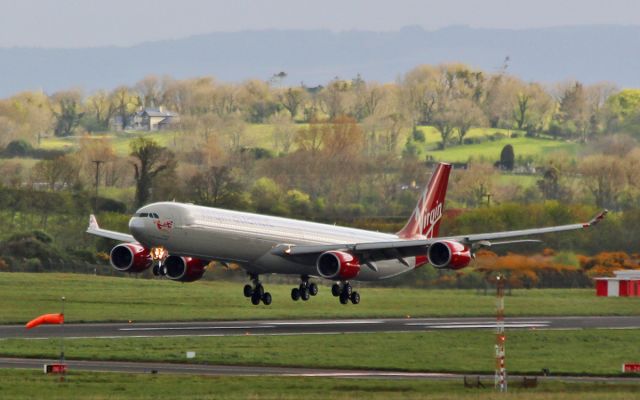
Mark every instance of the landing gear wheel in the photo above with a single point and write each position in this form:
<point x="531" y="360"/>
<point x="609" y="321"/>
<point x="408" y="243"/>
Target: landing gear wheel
<point x="313" y="289"/>
<point x="295" y="294"/>
<point x="335" y="290"/>
<point x="266" y="298"/>
<point x="355" y="297"/>
<point x="248" y="290"/>
<point x="344" y="298"/>
<point x="255" y="298"/>
<point x="304" y="294"/>
<point x="348" y="289"/>
<point x="259" y="289"/>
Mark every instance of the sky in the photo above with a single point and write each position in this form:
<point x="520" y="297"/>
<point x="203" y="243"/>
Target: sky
<point x="91" y="23"/>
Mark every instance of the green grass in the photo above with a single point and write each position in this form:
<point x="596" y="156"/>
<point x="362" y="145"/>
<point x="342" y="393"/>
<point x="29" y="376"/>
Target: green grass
<point x="97" y="298"/>
<point x="490" y="150"/>
<point x="28" y="384"/>
<point x="563" y="352"/>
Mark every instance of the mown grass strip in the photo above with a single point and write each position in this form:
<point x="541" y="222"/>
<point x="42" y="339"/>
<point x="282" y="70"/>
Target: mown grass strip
<point x="580" y="352"/>
<point x="97" y="298"/>
<point x="28" y="384"/>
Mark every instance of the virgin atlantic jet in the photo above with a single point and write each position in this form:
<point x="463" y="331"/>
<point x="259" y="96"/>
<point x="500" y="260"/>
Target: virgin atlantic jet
<point x="178" y="240"/>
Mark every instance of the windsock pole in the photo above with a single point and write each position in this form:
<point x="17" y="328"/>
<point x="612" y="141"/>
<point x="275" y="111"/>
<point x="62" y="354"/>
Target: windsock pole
<point x="62" y="336"/>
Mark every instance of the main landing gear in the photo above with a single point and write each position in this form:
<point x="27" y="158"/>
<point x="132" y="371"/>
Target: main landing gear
<point x="305" y="290"/>
<point x="345" y="292"/>
<point x="256" y="292"/>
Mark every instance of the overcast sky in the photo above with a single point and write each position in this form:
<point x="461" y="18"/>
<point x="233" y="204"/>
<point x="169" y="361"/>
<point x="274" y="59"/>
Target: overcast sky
<point x="79" y="23"/>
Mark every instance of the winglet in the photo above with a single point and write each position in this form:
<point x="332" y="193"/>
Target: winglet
<point x="596" y="219"/>
<point x="93" y="222"/>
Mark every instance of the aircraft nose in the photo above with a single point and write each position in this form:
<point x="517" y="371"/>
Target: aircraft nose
<point x="136" y="226"/>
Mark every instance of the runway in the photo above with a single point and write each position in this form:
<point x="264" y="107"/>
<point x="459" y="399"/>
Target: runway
<point x="307" y="327"/>
<point x="238" y="370"/>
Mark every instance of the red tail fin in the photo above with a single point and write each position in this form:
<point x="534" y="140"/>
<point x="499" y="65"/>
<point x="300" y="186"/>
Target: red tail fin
<point x="425" y="219"/>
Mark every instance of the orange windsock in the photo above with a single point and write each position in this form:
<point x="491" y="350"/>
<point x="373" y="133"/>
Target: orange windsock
<point x="46" y="319"/>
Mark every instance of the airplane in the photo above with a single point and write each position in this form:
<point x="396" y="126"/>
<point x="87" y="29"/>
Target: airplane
<point x="179" y="240"/>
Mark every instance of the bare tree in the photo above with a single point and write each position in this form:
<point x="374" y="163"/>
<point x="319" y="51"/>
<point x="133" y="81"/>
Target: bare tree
<point x="149" y="161"/>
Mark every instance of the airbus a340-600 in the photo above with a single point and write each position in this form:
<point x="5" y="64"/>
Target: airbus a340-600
<point x="179" y="240"/>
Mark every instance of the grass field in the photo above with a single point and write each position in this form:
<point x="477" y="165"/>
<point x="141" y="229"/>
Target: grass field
<point x="97" y="298"/>
<point x="575" y="352"/>
<point x="261" y="135"/>
<point x="490" y="150"/>
<point x="18" y="384"/>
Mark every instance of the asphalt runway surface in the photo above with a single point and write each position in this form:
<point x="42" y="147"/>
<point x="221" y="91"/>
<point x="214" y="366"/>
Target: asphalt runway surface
<point x="238" y="370"/>
<point x="308" y="327"/>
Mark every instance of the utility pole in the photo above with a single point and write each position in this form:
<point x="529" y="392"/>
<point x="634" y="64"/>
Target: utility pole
<point x="500" y="380"/>
<point x="97" y="163"/>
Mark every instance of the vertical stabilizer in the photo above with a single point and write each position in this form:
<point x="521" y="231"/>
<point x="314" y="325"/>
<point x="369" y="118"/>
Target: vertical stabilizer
<point x="425" y="219"/>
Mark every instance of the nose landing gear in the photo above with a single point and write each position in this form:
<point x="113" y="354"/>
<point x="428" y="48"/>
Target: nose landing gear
<point x="345" y="293"/>
<point x="256" y="292"/>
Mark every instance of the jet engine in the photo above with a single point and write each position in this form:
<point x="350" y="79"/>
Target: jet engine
<point x="338" y="265"/>
<point x="130" y="257"/>
<point x="184" y="269"/>
<point x="449" y="254"/>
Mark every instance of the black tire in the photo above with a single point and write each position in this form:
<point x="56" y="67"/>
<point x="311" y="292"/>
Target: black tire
<point x="266" y="298"/>
<point x="156" y="270"/>
<point x="248" y="290"/>
<point x="348" y="289"/>
<point x="255" y="298"/>
<point x="304" y="294"/>
<point x="313" y="289"/>
<point x="295" y="294"/>
<point x="355" y="297"/>
<point x="335" y="290"/>
<point x="259" y="289"/>
<point x="344" y="299"/>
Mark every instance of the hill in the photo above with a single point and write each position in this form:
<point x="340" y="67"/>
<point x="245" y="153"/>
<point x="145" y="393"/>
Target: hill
<point x="587" y="53"/>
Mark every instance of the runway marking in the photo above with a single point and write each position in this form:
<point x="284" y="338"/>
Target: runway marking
<point x="195" y="328"/>
<point x="334" y="322"/>
<point x="479" y="325"/>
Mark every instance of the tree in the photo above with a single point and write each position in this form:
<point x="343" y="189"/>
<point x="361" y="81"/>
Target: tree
<point x="334" y="99"/>
<point x="605" y="178"/>
<point x="621" y="107"/>
<point x="465" y="114"/>
<point x="507" y="157"/>
<point x="149" y="161"/>
<point x="101" y="107"/>
<point x="533" y="106"/>
<point x="126" y="103"/>
<point x="66" y="111"/>
<point x="217" y="187"/>
<point x="573" y="114"/>
<point x="57" y="174"/>
<point x="292" y="99"/>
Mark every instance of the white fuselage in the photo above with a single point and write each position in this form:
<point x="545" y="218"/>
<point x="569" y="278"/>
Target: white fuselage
<point x="247" y="239"/>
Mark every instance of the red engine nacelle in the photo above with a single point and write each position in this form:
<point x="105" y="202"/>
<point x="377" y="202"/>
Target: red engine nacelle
<point x="184" y="269"/>
<point x="447" y="254"/>
<point x="338" y="265"/>
<point x="130" y="257"/>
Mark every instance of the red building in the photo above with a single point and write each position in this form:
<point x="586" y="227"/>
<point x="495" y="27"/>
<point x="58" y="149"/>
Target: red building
<point x="625" y="283"/>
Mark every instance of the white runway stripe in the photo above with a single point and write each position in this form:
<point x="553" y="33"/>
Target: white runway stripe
<point x="195" y="328"/>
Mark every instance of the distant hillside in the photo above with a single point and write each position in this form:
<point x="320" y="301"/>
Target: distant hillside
<point x="587" y="53"/>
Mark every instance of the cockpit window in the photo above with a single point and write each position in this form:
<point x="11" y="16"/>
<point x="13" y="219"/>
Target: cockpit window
<point x="146" y="215"/>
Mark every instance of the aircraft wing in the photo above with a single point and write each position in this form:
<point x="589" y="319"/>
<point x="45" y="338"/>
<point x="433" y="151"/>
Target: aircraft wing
<point x="374" y="251"/>
<point x="94" y="229"/>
